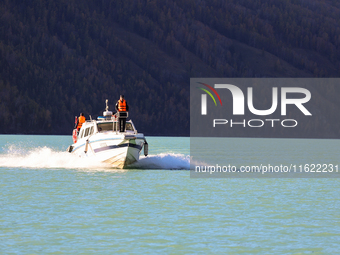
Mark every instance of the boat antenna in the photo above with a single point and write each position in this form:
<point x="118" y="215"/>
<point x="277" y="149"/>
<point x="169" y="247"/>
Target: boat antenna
<point x="107" y="107"/>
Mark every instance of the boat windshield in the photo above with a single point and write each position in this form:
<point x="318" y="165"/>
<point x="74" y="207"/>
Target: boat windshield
<point x="108" y="126"/>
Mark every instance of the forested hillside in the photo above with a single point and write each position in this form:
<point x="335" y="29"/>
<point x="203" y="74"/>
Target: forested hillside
<point x="59" y="58"/>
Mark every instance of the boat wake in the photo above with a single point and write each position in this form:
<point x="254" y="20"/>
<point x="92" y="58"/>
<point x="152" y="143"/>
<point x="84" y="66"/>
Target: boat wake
<point x="45" y="157"/>
<point x="169" y="161"/>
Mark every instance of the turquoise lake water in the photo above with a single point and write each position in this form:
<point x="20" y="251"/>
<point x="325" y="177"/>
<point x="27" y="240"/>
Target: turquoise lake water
<point x="54" y="203"/>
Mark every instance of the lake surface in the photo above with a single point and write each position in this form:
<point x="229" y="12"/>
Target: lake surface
<point x="53" y="202"/>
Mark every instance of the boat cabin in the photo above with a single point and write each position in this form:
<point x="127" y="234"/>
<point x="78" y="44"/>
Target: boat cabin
<point x="91" y="127"/>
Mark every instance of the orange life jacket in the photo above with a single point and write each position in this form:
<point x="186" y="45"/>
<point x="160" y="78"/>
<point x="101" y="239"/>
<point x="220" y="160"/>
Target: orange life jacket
<point x="122" y="105"/>
<point x="81" y="120"/>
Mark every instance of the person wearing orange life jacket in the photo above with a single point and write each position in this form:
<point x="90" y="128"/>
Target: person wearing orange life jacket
<point x="80" y="121"/>
<point x="122" y="106"/>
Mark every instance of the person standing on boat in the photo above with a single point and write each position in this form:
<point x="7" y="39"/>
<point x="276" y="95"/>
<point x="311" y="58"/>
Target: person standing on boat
<point x="122" y="106"/>
<point x="80" y="121"/>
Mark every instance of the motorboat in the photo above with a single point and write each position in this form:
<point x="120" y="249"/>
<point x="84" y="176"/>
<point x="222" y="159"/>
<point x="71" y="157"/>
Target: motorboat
<point x="102" y="140"/>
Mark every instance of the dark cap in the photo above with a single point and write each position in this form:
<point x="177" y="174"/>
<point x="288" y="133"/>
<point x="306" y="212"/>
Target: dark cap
<point x="122" y="96"/>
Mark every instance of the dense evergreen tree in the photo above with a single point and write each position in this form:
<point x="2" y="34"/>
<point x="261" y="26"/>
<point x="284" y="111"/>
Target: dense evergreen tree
<point x="60" y="58"/>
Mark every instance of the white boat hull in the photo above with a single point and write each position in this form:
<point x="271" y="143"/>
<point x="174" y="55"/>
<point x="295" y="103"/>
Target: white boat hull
<point x="124" y="157"/>
<point x="117" y="152"/>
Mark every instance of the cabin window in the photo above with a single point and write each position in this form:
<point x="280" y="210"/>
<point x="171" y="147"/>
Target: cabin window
<point x="91" y="130"/>
<point x="81" y="133"/>
<point x="107" y="126"/>
<point x="87" y="132"/>
<point x="113" y="126"/>
<point x="129" y="126"/>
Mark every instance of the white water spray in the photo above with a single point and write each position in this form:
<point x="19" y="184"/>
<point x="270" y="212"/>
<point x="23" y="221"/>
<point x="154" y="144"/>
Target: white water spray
<point x="45" y="157"/>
